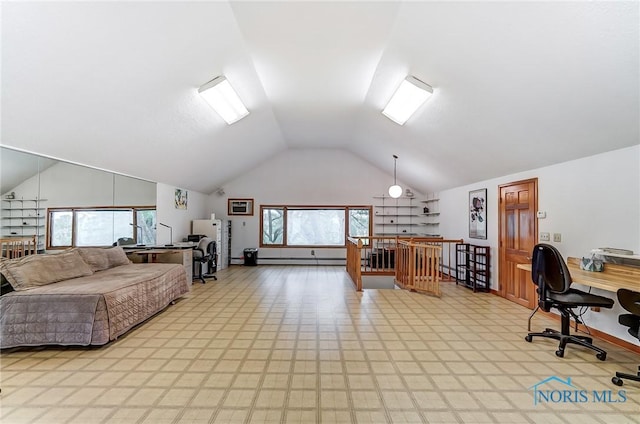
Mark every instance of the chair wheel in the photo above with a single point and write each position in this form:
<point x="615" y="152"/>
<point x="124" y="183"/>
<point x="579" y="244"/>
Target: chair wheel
<point x="617" y="381"/>
<point x="602" y="356"/>
<point x="528" y="338"/>
<point x="560" y="353"/>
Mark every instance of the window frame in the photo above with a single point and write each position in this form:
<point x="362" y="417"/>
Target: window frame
<point x="285" y="208"/>
<point x="75" y="209"/>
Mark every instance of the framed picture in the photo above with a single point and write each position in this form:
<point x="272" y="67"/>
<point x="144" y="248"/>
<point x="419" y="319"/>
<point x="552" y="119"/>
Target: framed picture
<point x="478" y="214"/>
<point x="240" y="207"/>
<point x="181" y="199"/>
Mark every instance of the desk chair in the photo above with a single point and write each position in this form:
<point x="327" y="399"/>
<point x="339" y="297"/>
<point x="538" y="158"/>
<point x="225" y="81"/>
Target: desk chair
<point x="205" y="252"/>
<point x="551" y="275"/>
<point x="629" y="300"/>
<point x="123" y="241"/>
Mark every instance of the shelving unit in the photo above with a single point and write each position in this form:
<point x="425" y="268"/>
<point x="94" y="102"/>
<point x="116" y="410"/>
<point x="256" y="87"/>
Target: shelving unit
<point x="473" y="266"/>
<point x="430" y="214"/>
<point x="396" y="217"/>
<point x="23" y="218"/>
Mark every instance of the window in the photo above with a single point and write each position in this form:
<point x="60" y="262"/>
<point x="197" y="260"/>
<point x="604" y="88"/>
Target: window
<point x="146" y="219"/>
<point x="297" y="226"/>
<point x="359" y="222"/>
<point x="272" y="226"/>
<point x="81" y="227"/>
<point x="315" y="227"/>
<point x="60" y="228"/>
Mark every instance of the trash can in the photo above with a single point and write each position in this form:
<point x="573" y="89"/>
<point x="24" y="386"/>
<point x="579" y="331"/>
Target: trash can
<point x="251" y="257"/>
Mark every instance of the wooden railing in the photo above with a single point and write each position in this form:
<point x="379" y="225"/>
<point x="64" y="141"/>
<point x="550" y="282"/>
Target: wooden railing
<point x="17" y="247"/>
<point x="447" y="269"/>
<point x="377" y="255"/>
<point x="418" y="267"/>
<point x="354" y="269"/>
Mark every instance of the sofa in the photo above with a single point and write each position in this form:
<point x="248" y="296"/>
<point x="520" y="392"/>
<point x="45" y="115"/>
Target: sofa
<point x="82" y="296"/>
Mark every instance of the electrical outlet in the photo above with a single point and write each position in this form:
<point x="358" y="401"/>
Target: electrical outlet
<point x="557" y="237"/>
<point x="313" y="253"/>
<point x="544" y="237"/>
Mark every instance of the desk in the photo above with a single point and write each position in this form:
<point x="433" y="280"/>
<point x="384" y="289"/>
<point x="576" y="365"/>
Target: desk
<point x="179" y="254"/>
<point x="613" y="277"/>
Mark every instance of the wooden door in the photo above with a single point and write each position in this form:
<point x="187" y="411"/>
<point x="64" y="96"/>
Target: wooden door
<point x="518" y="232"/>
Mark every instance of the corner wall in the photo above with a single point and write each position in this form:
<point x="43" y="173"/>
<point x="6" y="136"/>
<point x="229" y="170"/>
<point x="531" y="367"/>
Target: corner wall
<point x="593" y="202"/>
<point x="178" y="219"/>
<point x="299" y="177"/>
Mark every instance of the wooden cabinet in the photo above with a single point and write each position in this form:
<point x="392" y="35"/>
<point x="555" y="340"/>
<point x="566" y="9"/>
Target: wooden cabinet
<point x="473" y="266"/>
<point x="24" y="218"/>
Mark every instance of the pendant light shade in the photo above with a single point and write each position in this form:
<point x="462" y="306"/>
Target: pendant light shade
<point x="395" y="190"/>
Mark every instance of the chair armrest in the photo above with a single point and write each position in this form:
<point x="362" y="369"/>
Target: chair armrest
<point x="198" y="253"/>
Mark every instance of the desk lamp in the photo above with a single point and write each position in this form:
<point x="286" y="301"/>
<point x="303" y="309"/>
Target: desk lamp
<point x="170" y="233"/>
<point x="139" y="229"/>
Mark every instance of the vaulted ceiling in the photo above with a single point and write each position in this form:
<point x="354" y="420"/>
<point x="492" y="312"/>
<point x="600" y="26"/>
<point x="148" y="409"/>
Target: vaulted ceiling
<point x="517" y="85"/>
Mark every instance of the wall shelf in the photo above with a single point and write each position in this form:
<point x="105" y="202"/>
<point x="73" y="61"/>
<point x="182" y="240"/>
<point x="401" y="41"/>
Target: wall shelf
<point x="395" y="217"/>
<point x="429" y="214"/>
<point x="24" y="218"/>
<point x="405" y="216"/>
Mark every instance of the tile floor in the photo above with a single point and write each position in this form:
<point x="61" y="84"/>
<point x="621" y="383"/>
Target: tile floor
<point x="284" y="344"/>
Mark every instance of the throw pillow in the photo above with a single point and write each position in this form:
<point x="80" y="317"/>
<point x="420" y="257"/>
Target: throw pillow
<point x="117" y="257"/>
<point x="39" y="270"/>
<point x="96" y="257"/>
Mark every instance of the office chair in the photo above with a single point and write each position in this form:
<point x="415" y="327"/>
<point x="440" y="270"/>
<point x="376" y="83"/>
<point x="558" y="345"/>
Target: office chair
<point x="629" y="300"/>
<point x="205" y="252"/>
<point x="123" y="241"/>
<point x="551" y="275"/>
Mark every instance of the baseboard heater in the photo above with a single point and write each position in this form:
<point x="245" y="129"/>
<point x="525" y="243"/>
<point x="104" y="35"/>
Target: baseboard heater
<point x="313" y="259"/>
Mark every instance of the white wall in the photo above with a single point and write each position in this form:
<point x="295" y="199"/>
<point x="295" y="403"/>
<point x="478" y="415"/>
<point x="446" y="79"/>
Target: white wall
<point x="300" y="177"/>
<point x="133" y="192"/>
<point x="593" y="202"/>
<point x="178" y="219"/>
<point x="65" y="184"/>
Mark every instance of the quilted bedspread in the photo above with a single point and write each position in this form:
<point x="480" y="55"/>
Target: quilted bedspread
<point x="72" y="312"/>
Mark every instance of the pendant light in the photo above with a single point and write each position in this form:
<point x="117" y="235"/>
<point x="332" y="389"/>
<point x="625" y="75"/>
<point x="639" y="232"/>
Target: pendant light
<point x="395" y="190"/>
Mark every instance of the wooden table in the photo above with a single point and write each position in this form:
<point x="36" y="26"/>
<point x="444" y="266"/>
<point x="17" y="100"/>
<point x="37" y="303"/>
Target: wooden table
<point x="613" y="277"/>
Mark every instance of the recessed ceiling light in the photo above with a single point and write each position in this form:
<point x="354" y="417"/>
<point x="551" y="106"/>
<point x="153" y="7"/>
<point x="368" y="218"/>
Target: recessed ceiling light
<point x="411" y="94"/>
<point x="223" y="99"/>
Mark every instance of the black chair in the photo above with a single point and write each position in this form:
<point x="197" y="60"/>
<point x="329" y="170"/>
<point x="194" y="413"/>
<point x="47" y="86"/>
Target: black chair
<point x="205" y="253"/>
<point x="629" y="300"/>
<point x="124" y="241"/>
<point x="551" y="275"/>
